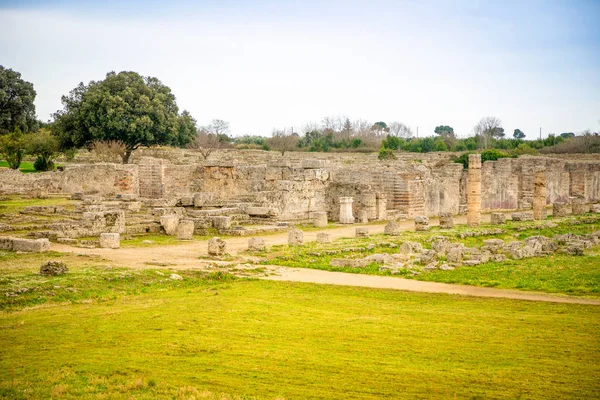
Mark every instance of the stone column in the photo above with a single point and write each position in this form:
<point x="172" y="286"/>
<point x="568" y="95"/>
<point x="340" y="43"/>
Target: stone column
<point x="320" y="219"/>
<point x="474" y="190"/>
<point x="381" y="206"/>
<point x="539" y="196"/>
<point x="346" y="216"/>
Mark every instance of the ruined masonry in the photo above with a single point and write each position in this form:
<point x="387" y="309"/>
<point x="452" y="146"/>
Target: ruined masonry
<point x="474" y="190"/>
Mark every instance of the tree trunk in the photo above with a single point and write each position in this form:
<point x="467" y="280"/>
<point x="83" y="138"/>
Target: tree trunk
<point x="127" y="155"/>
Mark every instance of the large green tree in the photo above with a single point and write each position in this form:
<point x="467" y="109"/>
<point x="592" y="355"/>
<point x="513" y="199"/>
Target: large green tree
<point x="444" y="130"/>
<point x="17" y="110"/>
<point x="124" y="107"/>
<point x="518" y="134"/>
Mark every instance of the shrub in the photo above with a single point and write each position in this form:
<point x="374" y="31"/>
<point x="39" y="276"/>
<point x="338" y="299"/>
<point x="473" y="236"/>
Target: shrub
<point x="386" y="154"/>
<point x="43" y="164"/>
<point x="12" y="148"/>
<point x="488" y="155"/>
<point x="45" y="147"/>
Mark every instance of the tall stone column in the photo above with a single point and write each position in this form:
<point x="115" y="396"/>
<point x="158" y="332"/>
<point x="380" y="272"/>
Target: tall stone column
<point x="539" y="196"/>
<point x="474" y="190"/>
<point x="346" y="216"/>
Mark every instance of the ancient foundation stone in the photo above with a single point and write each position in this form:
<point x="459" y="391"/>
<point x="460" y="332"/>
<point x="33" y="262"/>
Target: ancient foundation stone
<point x="256" y="244"/>
<point x="362" y="232"/>
<point x="363" y="216"/>
<point x="53" y="268"/>
<point x="498" y="218"/>
<point x="446" y="220"/>
<point x="595" y="208"/>
<point x="6" y="243"/>
<point x="559" y="209"/>
<point x="324" y="237"/>
<point x="578" y="206"/>
<point x="31" y="245"/>
<point x="169" y="224"/>
<point x="522" y="216"/>
<point x="185" y="229"/>
<point x="217" y="247"/>
<point x="110" y="240"/>
<point x="392" y="228"/>
<point x="295" y="237"/>
<point x="221" y="222"/>
<point x="346" y="216"/>
<point x="474" y="190"/>
<point x="539" y="196"/>
<point x="320" y="219"/>
<point x="421" y="223"/>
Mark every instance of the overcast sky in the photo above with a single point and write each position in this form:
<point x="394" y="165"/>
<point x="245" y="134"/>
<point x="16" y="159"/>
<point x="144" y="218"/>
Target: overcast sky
<point x="271" y="64"/>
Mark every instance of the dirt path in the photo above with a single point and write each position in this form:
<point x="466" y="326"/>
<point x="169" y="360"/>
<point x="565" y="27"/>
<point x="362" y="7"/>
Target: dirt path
<point x="186" y="255"/>
<point x="387" y="282"/>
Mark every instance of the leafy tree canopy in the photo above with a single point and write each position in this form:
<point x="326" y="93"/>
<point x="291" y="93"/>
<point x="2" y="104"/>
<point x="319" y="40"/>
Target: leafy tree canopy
<point x="444" y="130"/>
<point x="125" y="107"/>
<point x="17" y="110"/>
<point x="518" y="134"/>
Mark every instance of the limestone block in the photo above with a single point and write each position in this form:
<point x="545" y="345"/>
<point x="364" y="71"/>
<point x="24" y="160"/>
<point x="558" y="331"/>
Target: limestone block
<point x="410" y="247"/>
<point x="363" y="216"/>
<point x="186" y="201"/>
<point x="392" y="228"/>
<point x="313" y="163"/>
<point x="6" y="243"/>
<point x="522" y="216"/>
<point x="31" y="245"/>
<point x="127" y="197"/>
<point x="115" y="221"/>
<point x="579" y="207"/>
<point x="110" y="240"/>
<point x="446" y="220"/>
<point x="259" y="211"/>
<point x="221" y="222"/>
<point x="295" y="237"/>
<point x="421" y="223"/>
<point x="324" y="237"/>
<point x="53" y="268"/>
<point x="349" y="262"/>
<point x="595" y="208"/>
<point x="256" y="244"/>
<point x="133" y="206"/>
<point x="94" y="221"/>
<point x="77" y="196"/>
<point x="320" y="219"/>
<point x="169" y="224"/>
<point x="217" y="247"/>
<point x="498" y="218"/>
<point x="202" y="198"/>
<point x="455" y="255"/>
<point x="185" y="229"/>
<point x="346" y="216"/>
<point x="362" y="232"/>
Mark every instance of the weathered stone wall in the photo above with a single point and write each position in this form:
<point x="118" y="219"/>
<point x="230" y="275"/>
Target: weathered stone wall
<point x="104" y="179"/>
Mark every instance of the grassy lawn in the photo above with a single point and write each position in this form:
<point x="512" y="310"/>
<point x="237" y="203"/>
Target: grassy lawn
<point x="264" y="339"/>
<point x="25" y="167"/>
<point x="12" y="205"/>
<point x="553" y="274"/>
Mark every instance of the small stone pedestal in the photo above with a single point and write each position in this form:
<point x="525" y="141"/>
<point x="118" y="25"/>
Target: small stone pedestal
<point x="217" y="247"/>
<point x="498" y="218"/>
<point x="256" y="244"/>
<point x="295" y="237"/>
<point x="320" y="219"/>
<point x="446" y="220"/>
<point x="421" y="223"/>
<point x="110" y="240"/>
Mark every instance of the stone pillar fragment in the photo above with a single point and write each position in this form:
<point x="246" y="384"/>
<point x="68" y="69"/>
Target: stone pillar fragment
<point x="381" y="206"/>
<point x="362" y="232"/>
<point x="217" y="247"/>
<point x="185" y="230"/>
<point x="539" y="196"/>
<point x="320" y="219"/>
<point x="363" y="216"/>
<point x="324" y="237"/>
<point x="446" y="221"/>
<point x="559" y="209"/>
<point x="578" y="206"/>
<point x="256" y="244"/>
<point x="498" y="218"/>
<point x="110" y="240"/>
<point x="421" y="223"/>
<point x="346" y="216"/>
<point x="295" y="237"/>
<point x="474" y="190"/>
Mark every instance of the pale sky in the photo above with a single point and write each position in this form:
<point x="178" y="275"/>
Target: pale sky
<point x="272" y="64"/>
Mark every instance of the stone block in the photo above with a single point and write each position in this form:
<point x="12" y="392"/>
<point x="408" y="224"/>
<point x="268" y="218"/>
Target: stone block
<point x="579" y="206"/>
<point x="221" y="222"/>
<point x="320" y="219"/>
<point x="595" y="208"/>
<point x="256" y="244"/>
<point x="346" y="216"/>
<point x="446" y="220"/>
<point x="217" y="247"/>
<point x="455" y="255"/>
<point x="522" y="216"/>
<point x="115" y="221"/>
<point x="185" y="229"/>
<point x="498" y="218"/>
<point x="421" y="223"/>
<point x="392" y="228"/>
<point x="200" y="199"/>
<point x="362" y="232"/>
<point x="127" y="197"/>
<point x="133" y="206"/>
<point x="186" y="201"/>
<point x="349" y="262"/>
<point x="259" y="211"/>
<point x="53" y="268"/>
<point x="363" y="216"/>
<point x="110" y="240"/>
<point x="295" y="237"/>
<point x="31" y="245"/>
<point x="6" y="243"/>
<point x="313" y="163"/>
<point x="324" y="237"/>
<point x="169" y="224"/>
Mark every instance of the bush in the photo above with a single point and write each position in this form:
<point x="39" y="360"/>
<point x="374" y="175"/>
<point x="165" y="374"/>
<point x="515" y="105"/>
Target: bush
<point x="42" y="164"/>
<point x="488" y="155"/>
<point x="12" y="148"/>
<point x="45" y="147"/>
<point x="386" y="154"/>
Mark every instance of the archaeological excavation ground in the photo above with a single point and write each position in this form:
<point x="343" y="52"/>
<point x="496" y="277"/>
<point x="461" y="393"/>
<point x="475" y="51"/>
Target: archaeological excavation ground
<point x="305" y="275"/>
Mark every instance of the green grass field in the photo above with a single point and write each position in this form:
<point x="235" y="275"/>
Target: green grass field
<point x="261" y="339"/>
<point x="26" y="166"/>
